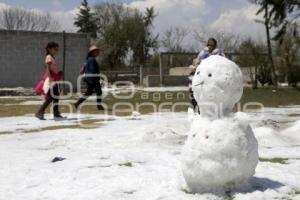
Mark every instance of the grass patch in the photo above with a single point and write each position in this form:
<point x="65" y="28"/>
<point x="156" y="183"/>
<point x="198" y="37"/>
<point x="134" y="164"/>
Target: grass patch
<point x="294" y="115"/>
<point x="149" y="102"/>
<point x="18" y="110"/>
<point x="282" y="161"/>
<point x="127" y="164"/>
<point x="129" y="192"/>
<point x="272" y="97"/>
<point x="50" y="128"/>
<point x="144" y="102"/>
<point x="61" y="127"/>
<point x="297" y="191"/>
<point x="186" y="191"/>
<point x="18" y="100"/>
<point x="6" y="132"/>
<point x="85" y="124"/>
<point x="229" y="198"/>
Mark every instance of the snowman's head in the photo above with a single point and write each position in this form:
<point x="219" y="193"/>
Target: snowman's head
<point x="218" y="81"/>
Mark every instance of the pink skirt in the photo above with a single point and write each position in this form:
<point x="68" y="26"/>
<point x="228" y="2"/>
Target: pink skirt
<point x="39" y="87"/>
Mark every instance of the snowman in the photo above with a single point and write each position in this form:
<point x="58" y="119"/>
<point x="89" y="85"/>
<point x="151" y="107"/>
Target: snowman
<point x="221" y="152"/>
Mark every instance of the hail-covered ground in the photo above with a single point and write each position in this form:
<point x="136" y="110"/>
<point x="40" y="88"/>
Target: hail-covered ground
<point x="135" y="158"/>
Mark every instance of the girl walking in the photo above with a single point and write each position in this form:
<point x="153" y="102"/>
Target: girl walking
<point x="91" y="71"/>
<point x="48" y="86"/>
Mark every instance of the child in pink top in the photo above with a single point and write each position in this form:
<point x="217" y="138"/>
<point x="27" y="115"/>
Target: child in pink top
<point x="52" y="75"/>
<point x="50" y="61"/>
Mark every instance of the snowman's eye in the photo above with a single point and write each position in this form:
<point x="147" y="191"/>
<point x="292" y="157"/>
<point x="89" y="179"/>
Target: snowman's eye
<point x="209" y="75"/>
<point x="198" y="72"/>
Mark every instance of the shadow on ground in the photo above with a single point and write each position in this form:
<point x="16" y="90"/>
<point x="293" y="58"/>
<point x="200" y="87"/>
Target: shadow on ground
<point x="263" y="184"/>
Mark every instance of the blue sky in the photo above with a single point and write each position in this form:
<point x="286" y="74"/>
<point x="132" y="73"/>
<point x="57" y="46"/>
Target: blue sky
<point x="234" y="16"/>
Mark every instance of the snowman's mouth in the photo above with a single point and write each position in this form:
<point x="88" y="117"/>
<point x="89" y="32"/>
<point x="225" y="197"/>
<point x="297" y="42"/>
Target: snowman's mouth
<point x="201" y="83"/>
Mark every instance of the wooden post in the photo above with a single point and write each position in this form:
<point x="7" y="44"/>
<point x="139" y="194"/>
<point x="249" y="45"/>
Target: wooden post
<point x="160" y="70"/>
<point x="141" y="75"/>
<point x="64" y="60"/>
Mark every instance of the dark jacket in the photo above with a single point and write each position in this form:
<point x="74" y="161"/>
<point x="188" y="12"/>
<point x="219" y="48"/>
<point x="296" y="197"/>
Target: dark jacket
<point x="92" y="68"/>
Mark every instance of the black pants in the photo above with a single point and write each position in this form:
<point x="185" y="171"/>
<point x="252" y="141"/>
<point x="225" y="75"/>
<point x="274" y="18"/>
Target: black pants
<point x="194" y="103"/>
<point x="91" y="87"/>
<point x="51" y="97"/>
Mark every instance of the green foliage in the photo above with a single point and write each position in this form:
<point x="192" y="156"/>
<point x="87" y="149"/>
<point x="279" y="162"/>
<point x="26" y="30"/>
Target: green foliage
<point x="85" y="20"/>
<point x="253" y="57"/>
<point x="281" y="13"/>
<point x="288" y="49"/>
<point x="112" y="33"/>
<point x="153" y="61"/>
<point x="281" y="16"/>
<point x="140" y="39"/>
<point x="126" y="34"/>
<point x="265" y="8"/>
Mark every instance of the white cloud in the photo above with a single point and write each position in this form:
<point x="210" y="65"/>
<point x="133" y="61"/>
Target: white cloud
<point x="66" y="19"/>
<point x="191" y="14"/>
<point x="3" y="6"/>
<point x="186" y="13"/>
<point x="241" y="21"/>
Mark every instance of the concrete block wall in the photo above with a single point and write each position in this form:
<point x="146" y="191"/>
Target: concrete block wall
<point x="22" y="55"/>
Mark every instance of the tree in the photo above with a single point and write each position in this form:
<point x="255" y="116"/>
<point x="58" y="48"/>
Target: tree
<point x="288" y="50"/>
<point x="173" y="38"/>
<point x="112" y="33"/>
<point x="283" y="13"/>
<point x="265" y="8"/>
<point x="151" y="40"/>
<point x="141" y="39"/>
<point x="85" y="20"/>
<point x="125" y="32"/>
<point x="29" y="20"/>
<point x="252" y="57"/>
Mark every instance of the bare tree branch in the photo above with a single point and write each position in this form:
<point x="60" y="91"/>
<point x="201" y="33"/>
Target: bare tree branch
<point x="173" y="38"/>
<point x="23" y="19"/>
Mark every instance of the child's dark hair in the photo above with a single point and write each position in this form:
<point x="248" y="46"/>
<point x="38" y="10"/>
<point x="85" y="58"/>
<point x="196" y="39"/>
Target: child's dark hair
<point x="214" y="41"/>
<point x="51" y="45"/>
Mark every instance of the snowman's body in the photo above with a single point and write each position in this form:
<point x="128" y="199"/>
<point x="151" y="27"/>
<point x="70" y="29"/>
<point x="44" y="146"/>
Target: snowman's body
<point x="221" y="152"/>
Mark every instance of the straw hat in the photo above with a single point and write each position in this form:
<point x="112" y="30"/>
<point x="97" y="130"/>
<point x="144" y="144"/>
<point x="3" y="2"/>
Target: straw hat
<point x="93" y="48"/>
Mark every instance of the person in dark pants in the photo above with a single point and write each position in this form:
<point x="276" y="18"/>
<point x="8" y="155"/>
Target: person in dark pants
<point x="91" y="78"/>
<point x="48" y="86"/>
<point x="193" y="100"/>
